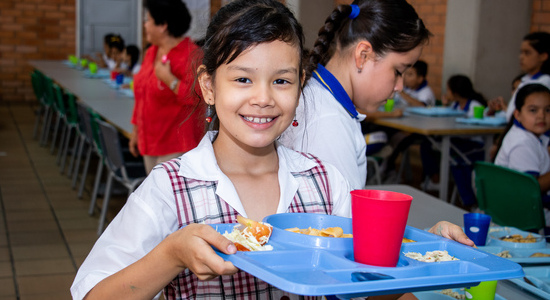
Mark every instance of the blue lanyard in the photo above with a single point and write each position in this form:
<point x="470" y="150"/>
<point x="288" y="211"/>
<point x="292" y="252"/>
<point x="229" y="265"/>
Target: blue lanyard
<point x="335" y="88"/>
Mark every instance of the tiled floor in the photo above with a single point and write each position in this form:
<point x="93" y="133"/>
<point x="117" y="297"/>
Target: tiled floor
<point x="45" y="230"/>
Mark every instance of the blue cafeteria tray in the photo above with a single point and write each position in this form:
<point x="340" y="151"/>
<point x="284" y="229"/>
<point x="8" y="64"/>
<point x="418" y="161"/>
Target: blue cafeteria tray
<point x="308" y="265"/>
<point x="490" y="121"/>
<point x="101" y="73"/>
<point x="438" y="111"/>
<point x="540" y="276"/>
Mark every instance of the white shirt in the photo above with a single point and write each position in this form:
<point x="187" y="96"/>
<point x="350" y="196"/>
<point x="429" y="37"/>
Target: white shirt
<point x="543" y="79"/>
<point x="111" y="63"/>
<point x="470" y="111"/>
<point x="327" y="131"/>
<point x="150" y="213"/>
<point x="523" y="151"/>
<point x="424" y="95"/>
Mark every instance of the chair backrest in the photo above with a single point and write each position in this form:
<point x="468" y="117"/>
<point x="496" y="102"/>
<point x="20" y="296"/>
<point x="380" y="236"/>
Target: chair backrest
<point x="510" y="197"/>
<point x="111" y="147"/>
<point x="49" y="95"/>
<point x="84" y="121"/>
<point x="95" y="131"/>
<point x="36" y="80"/>
<point x="59" y="100"/>
<point x="72" y="113"/>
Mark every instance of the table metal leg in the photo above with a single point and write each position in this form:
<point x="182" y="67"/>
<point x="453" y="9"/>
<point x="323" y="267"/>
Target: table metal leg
<point x="488" y="144"/>
<point x="444" y="167"/>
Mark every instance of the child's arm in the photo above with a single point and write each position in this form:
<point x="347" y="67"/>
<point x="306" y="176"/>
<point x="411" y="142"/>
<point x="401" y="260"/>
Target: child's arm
<point x="410" y="99"/>
<point x="451" y="231"/>
<point x="189" y="247"/>
<point x="544" y="182"/>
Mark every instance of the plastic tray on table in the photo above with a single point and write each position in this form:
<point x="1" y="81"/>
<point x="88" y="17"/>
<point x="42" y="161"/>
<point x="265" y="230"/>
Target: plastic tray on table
<point x="438" y="295"/>
<point x="540" y="277"/>
<point x="520" y="252"/>
<point x="436" y="111"/>
<point x="309" y="265"/>
<point x="488" y="121"/>
<point x="101" y="73"/>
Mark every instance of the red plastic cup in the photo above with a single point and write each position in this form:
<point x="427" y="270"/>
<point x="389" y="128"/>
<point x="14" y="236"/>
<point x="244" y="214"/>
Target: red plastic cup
<point x="379" y="219"/>
<point x="113" y="75"/>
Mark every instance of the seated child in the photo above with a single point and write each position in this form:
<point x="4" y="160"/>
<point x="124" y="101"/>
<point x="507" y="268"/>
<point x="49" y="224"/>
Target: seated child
<point x="416" y="91"/>
<point x="116" y="46"/>
<point x="524" y="147"/>
<point x="129" y="61"/>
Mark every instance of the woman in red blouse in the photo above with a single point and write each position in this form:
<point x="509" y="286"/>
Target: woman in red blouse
<point x="168" y="118"/>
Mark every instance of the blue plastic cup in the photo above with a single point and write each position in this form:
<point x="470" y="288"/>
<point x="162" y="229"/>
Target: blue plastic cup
<point x="476" y="227"/>
<point x="119" y="79"/>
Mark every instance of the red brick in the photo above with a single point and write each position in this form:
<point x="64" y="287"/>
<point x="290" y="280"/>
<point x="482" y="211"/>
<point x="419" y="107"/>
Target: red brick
<point x="11" y="12"/>
<point x="47" y="7"/>
<point x="55" y="15"/>
<point x="541" y="17"/>
<point x="26" y="49"/>
<point x="25" y="6"/>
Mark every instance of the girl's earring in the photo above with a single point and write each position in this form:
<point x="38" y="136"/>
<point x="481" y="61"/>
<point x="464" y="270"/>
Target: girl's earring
<point x="360" y="69"/>
<point x="209" y="112"/>
<point x="295" y="122"/>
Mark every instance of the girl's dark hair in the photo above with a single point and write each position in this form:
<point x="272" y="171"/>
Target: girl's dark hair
<point x="540" y="41"/>
<point x="462" y="86"/>
<point x="116" y="41"/>
<point x="173" y="13"/>
<point x="134" y="53"/>
<point x="107" y="38"/>
<point x="242" y="24"/>
<point x="390" y="26"/>
<point x="521" y="95"/>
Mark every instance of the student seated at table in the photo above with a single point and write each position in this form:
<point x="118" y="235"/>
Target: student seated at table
<point x="113" y="45"/>
<point x="524" y="147"/>
<point x="460" y="95"/>
<point x="416" y="91"/>
<point x="129" y="61"/>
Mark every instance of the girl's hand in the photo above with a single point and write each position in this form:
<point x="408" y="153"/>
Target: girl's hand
<point x="496" y="104"/>
<point x="451" y="231"/>
<point x="192" y="248"/>
<point x="397" y="113"/>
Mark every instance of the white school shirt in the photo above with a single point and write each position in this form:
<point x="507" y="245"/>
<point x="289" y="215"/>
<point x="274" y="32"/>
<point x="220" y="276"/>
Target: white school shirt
<point x="523" y="151"/>
<point x="543" y="79"/>
<point x="326" y="130"/>
<point x="424" y="95"/>
<point x="469" y="110"/>
<point x="150" y="214"/>
<point x="111" y="63"/>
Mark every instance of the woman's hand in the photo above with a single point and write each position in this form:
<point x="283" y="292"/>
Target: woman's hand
<point x="133" y="143"/>
<point x="192" y="248"/>
<point x="451" y="231"/>
<point x="164" y="72"/>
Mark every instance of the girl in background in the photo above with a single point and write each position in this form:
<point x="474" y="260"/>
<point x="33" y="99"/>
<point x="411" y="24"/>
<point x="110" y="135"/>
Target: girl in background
<point x="524" y="147"/>
<point x="534" y="61"/>
<point x="129" y="61"/>
<point x="461" y="95"/>
<point x="357" y="63"/>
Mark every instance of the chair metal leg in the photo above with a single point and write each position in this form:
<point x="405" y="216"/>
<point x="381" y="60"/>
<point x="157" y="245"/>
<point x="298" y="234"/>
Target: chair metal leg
<point x="105" y="205"/>
<point x="78" y="140"/>
<point x="55" y="131"/>
<point x="38" y="112"/>
<point x="46" y="126"/>
<point x="77" y="162"/>
<point x="61" y="142"/>
<point x="66" y="149"/>
<point x="96" y="186"/>
<point x="84" y="172"/>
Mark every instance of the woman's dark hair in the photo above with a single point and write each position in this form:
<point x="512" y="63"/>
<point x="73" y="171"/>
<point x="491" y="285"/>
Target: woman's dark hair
<point x="242" y="24"/>
<point x="133" y="52"/>
<point x="173" y="13"/>
<point x="540" y="41"/>
<point x="389" y="25"/>
<point x="116" y="41"/>
<point x="521" y="95"/>
<point x="462" y="86"/>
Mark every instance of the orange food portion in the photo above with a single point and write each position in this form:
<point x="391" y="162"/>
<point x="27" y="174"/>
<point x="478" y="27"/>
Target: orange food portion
<point x="260" y="231"/>
<point x="325" y="232"/>
<point x="240" y="247"/>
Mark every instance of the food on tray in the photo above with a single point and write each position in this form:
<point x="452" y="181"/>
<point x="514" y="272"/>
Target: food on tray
<point x="325" y="232"/>
<point x="431" y="256"/>
<point x="454" y="294"/>
<point x="540" y="254"/>
<point x="253" y="237"/>
<point x="406" y="240"/>
<point x="504" y="254"/>
<point x="518" y="238"/>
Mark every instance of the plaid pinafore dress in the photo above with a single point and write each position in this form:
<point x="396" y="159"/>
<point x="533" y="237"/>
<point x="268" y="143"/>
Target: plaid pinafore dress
<point x="197" y="202"/>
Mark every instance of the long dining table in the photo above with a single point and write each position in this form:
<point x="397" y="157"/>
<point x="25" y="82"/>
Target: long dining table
<point x="445" y="128"/>
<point x="108" y="102"/>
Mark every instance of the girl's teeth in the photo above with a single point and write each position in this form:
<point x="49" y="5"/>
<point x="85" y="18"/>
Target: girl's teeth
<point x="259" y="120"/>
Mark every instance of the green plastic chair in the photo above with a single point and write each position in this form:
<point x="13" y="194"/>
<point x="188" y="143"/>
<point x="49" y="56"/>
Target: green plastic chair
<point x="71" y="123"/>
<point x="510" y="197"/>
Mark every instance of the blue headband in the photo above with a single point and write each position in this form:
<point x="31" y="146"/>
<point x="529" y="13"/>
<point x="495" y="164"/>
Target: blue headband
<point x="355" y="10"/>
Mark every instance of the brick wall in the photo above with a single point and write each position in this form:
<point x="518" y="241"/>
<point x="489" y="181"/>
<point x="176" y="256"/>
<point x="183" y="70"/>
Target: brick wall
<point x="540" y="20"/>
<point x="32" y="29"/>
<point x="45" y="29"/>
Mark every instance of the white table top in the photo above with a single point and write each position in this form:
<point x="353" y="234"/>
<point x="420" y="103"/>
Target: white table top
<point x="106" y="101"/>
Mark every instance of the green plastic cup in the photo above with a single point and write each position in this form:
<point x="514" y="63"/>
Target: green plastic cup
<point x="478" y="112"/>
<point x="484" y="291"/>
<point x="84" y="62"/>
<point x="388" y="106"/>
<point x="73" y="59"/>
<point x="92" y="67"/>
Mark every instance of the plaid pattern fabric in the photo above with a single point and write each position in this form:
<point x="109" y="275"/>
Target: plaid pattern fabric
<point x="197" y="202"/>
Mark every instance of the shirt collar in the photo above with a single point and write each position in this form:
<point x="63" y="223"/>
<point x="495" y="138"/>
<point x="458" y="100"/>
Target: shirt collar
<point x="336" y="89"/>
<point x="200" y="164"/>
<point x="466" y="107"/>
<point x="422" y="85"/>
<point x="536" y="76"/>
<point x="543" y="138"/>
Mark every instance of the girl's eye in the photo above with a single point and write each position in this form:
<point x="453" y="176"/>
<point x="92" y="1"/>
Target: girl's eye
<point x="397" y="73"/>
<point x="547" y="110"/>
<point x="243" y="80"/>
<point x="280" y="81"/>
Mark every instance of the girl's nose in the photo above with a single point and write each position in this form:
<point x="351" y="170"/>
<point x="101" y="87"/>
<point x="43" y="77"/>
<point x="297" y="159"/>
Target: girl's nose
<point x="262" y="96"/>
<point x="398" y="85"/>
